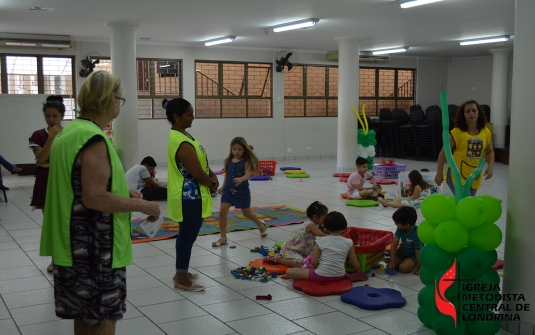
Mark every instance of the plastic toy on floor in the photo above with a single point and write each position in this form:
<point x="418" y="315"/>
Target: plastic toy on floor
<point x="273" y="268"/>
<point x="298" y="175"/>
<point x="284" y="168"/>
<point x="253" y="274"/>
<point x="362" y="203"/>
<point x="357" y="276"/>
<point x="294" y="171"/>
<point x="371" y="298"/>
<point x="342" y="174"/>
<point x="320" y="289"/>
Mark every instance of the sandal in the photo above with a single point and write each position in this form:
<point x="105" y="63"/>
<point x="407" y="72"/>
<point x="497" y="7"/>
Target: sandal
<point x="217" y="244"/>
<point x="192" y="288"/>
<point x="264" y="233"/>
<point x="191" y="276"/>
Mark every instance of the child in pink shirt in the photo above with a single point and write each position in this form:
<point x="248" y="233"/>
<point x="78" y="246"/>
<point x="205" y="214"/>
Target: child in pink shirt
<point x="356" y="181"/>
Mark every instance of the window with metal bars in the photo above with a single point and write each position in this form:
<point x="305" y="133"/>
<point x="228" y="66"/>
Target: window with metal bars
<point x="386" y="88"/>
<point x="37" y="74"/>
<point x="233" y="90"/>
<point x="311" y="90"/>
<point x="157" y="79"/>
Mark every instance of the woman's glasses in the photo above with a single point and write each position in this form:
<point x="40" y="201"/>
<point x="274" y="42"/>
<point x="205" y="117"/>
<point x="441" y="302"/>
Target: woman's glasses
<point x="123" y="100"/>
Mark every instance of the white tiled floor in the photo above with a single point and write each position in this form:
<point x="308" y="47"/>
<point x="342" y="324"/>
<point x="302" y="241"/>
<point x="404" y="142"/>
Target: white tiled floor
<point x="228" y="306"/>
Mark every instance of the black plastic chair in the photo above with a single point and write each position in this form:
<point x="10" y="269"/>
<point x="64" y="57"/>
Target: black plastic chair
<point x="400" y="116"/>
<point x="486" y="110"/>
<point x="408" y="134"/>
<point x="414" y="108"/>
<point x="390" y="139"/>
<point x="385" y="114"/>
<point x="452" y="110"/>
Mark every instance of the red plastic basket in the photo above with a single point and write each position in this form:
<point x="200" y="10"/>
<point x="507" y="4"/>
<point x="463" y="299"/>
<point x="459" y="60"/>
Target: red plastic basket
<point x="371" y="246"/>
<point x="267" y="168"/>
<point x="388" y="172"/>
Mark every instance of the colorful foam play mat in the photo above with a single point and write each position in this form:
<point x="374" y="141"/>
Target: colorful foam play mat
<point x="272" y="216"/>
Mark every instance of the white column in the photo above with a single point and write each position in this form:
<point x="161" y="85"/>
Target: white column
<point x="348" y="95"/>
<point x="519" y="272"/>
<point x="123" y="59"/>
<point x="498" y="99"/>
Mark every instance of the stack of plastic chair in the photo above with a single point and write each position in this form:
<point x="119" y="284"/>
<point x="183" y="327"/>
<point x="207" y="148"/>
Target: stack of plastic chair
<point x="486" y="109"/>
<point x="3" y="189"/>
<point x="400" y="116"/>
<point x="429" y="135"/>
<point x="452" y="110"/>
<point x="408" y="134"/>
<point x="415" y="108"/>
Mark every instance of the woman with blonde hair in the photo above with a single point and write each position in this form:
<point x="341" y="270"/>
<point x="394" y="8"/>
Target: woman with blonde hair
<point x="87" y="223"/>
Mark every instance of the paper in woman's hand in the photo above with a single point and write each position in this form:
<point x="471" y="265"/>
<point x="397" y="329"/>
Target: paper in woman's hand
<point x="151" y="228"/>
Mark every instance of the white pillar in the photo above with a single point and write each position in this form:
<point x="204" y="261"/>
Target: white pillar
<point x="519" y="272"/>
<point x="348" y="96"/>
<point x="498" y="99"/>
<point x="123" y="59"/>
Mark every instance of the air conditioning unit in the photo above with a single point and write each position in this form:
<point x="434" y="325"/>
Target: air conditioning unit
<point x="35" y="41"/>
<point x="364" y="56"/>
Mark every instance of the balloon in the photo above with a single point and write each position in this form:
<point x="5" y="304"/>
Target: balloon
<point x="472" y="262"/>
<point x="483" y="327"/>
<point x="372" y="134"/>
<point x="436" y="208"/>
<point x="427" y="317"/>
<point x="426" y="297"/>
<point x="360" y="135"/>
<point x="373" y="142"/>
<point x="427" y="276"/>
<point x="494" y="207"/>
<point x="452" y="199"/>
<point x="492" y="256"/>
<point x="471" y="212"/>
<point x="444" y="325"/>
<point x="434" y="258"/>
<point x="486" y="237"/>
<point x="451" y="235"/>
<point x="489" y="277"/>
<point x="426" y="232"/>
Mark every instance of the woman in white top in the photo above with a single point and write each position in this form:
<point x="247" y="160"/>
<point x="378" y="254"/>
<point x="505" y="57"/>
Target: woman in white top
<point x="330" y="253"/>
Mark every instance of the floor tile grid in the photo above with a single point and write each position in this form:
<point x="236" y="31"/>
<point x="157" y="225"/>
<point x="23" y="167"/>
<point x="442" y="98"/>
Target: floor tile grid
<point x="280" y="191"/>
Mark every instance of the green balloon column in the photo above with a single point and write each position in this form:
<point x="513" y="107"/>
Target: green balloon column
<point x="460" y="237"/>
<point x="365" y="138"/>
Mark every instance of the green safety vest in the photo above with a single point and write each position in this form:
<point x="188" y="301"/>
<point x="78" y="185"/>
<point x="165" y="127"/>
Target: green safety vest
<point x="56" y="233"/>
<point x="175" y="180"/>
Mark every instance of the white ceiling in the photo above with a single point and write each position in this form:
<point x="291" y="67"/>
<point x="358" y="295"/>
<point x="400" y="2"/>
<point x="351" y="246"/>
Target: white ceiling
<point x="431" y="31"/>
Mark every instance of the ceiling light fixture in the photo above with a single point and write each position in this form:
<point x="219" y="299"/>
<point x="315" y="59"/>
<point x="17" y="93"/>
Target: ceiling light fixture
<point x="295" y="25"/>
<point x="219" y="40"/>
<point x="390" y="51"/>
<point x="42" y="8"/>
<point x="20" y="44"/>
<point x="59" y="46"/>
<point x="486" y="40"/>
<point x="415" y="3"/>
<point x="165" y="65"/>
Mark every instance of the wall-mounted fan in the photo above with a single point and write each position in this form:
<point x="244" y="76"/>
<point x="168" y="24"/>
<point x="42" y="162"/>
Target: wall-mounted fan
<point x="285" y="58"/>
<point x="88" y="63"/>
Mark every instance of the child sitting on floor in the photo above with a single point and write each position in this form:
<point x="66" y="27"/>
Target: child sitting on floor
<point x="405" y="259"/>
<point x="356" y="181"/>
<point x="301" y="242"/>
<point x="330" y="253"/>
<point x="419" y="189"/>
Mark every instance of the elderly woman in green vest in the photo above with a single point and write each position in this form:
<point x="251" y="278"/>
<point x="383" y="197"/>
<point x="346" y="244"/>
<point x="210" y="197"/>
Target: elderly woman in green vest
<point x="87" y="223"/>
<point x="189" y="185"/>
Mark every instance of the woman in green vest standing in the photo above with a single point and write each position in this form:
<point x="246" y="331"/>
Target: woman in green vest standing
<point x="87" y="223"/>
<point x="189" y="185"/>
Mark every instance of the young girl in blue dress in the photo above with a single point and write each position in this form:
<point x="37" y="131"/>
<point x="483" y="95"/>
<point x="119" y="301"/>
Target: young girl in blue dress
<point x="239" y="166"/>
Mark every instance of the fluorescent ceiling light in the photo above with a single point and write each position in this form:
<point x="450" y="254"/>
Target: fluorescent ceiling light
<point x="165" y="65"/>
<point x="390" y="51"/>
<point x="415" y="3"/>
<point x="42" y="8"/>
<point x="296" y="25"/>
<point x="62" y="46"/>
<point x="486" y="40"/>
<point x="219" y="40"/>
<point x="21" y="44"/>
